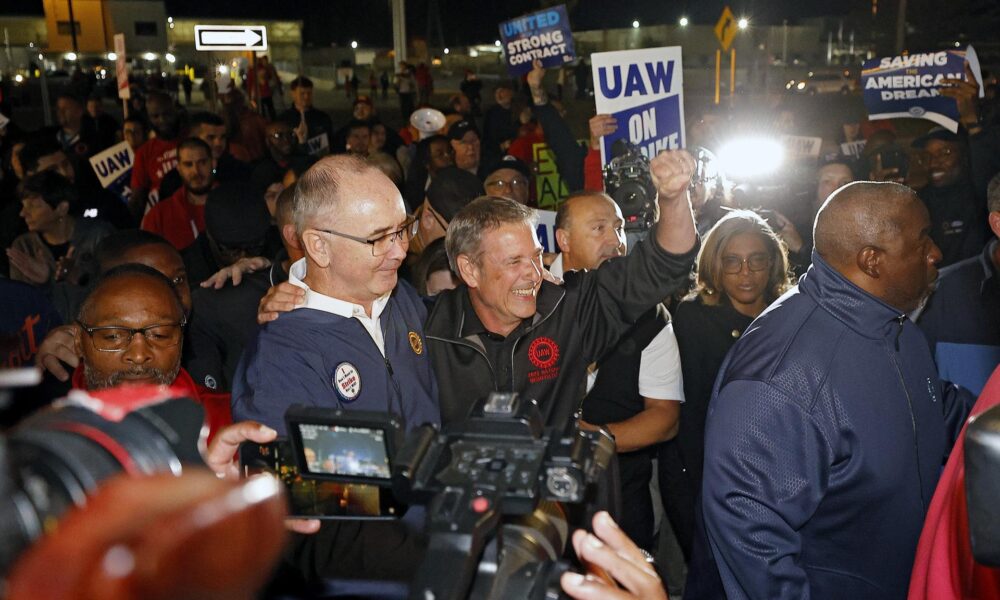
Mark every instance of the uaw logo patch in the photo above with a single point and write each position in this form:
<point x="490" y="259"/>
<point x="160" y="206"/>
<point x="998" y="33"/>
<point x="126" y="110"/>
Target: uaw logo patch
<point x="416" y="343"/>
<point x="347" y="381"/>
<point x="543" y="354"/>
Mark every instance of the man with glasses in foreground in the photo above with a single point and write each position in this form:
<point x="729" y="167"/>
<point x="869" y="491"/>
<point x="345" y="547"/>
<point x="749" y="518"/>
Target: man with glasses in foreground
<point x="356" y="343"/>
<point x="130" y="329"/>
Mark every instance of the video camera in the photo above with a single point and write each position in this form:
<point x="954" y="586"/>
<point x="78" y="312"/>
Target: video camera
<point x="628" y="182"/>
<point x="502" y="491"/>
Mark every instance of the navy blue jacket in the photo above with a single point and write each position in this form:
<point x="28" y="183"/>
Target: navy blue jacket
<point x="826" y="433"/>
<point x="962" y="321"/>
<point x="297" y="358"/>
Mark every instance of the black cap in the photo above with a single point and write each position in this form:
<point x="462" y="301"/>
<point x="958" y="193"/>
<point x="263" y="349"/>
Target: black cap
<point x="458" y="129"/>
<point x="235" y="216"/>
<point x="451" y="189"/>
<point x="509" y="162"/>
<point x="936" y="133"/>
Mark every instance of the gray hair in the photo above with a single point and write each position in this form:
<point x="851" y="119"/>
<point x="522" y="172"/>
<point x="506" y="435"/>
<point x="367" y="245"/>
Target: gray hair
<point x="466" y="229"/>
<point x="993" y="194"/>
<point x="317" y="192"/>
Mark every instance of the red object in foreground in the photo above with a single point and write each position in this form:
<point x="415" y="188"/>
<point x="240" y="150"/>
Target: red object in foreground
<point x="192" y="537"/>
<point x="944" y="568"/>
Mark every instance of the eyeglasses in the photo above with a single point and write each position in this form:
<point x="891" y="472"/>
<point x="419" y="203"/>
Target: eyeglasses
<point x="382" y="244"/>
<point x="500" y="183"/>
<point x="755" y="262"/>
<point x="116" y="339"/>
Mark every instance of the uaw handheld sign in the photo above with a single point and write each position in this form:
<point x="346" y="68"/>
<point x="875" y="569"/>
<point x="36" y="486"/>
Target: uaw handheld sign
<point x="114" y="168"/>
<point x="910" y="86"/>
<point x="543" y="35"/>
<point x="546" y="230"/>
<point x="643" y="90"/>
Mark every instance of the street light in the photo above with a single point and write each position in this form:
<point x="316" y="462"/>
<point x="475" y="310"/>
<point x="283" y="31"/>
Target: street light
<point x="354" y="45"/>
<point x="112" y="56"/>
<point x="149" y="56"/>
<point x="447" y="51"/>
<point x="743" y="23"/>
<point x="70" y="56"/>
<point x="635" y="24"/>
<point x="170" y="58"/>
<point x="684" y="22"/>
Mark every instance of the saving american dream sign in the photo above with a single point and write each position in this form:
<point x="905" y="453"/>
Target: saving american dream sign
<point x="910" y="86"/>
<point x="643" y="89"/>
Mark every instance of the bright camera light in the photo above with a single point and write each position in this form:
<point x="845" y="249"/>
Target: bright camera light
<point x="149" y="56"/>
<point x="18" y="78"/>
<point x="71" y="56"/>
<point x="447" y="51"/>
<point x="751" y="157"/>
<point x="354" y="45"/>
<point x="743" y="23"/>
<point x="635" y="24"/>
<point x="800" y="85"/>
<point x="684" y="22"/>
<point x="497" y="43"/>
<point x="112" y="56"/>
<point x="223" y="70"/>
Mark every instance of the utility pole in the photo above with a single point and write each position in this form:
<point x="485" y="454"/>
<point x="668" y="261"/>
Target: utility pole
<point x="72" y="28"/>
<point x="901" y="27"/>
<point x="399" y="31"/>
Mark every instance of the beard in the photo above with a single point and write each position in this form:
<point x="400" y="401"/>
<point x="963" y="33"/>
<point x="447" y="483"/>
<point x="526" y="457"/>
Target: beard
<point x="199" y="191"/>
<point x="100" y="381"/>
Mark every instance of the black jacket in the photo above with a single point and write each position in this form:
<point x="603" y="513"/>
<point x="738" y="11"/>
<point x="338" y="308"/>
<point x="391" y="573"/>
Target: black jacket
<point x="574" y="325"/>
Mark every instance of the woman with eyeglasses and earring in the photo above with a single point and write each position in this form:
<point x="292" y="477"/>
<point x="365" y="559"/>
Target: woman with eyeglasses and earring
<point x="741" y="269"/>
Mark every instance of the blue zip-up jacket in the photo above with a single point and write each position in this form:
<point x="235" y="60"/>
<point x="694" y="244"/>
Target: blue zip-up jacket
<point x="319" y="359"/>
<point x="826" y="433"/>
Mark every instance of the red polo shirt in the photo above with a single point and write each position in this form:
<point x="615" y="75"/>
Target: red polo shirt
<point x="216" y="404"/>
<point x="176" y="220"/>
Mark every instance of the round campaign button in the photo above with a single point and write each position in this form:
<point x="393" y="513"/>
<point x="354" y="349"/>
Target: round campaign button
<point x="347" y="381"/>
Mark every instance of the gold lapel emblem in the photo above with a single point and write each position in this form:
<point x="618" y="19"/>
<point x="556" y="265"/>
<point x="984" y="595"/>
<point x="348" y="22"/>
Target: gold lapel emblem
<point x="416" y="343"/>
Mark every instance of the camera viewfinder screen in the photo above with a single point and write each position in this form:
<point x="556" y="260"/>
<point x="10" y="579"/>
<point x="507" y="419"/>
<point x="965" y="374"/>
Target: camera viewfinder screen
<point x="345" y="451"/>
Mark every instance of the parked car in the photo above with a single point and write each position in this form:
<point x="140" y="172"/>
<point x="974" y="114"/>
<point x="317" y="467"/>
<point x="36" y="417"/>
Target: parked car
<point x="823" y="83"/>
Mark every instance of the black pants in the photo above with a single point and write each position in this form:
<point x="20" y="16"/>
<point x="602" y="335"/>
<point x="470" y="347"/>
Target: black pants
<point x="635" y="470"/>
<point x="678" y="494"/>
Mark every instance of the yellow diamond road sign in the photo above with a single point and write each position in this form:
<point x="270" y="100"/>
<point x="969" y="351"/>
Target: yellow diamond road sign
<point x="725" y="29"/>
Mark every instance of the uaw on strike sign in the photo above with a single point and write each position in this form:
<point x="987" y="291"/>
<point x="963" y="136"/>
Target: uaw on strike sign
<point x="643" y="90"/>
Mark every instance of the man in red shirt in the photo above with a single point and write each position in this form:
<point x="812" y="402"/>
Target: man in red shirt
<point x="180" y="218"/>
<point x="157" y="156"/>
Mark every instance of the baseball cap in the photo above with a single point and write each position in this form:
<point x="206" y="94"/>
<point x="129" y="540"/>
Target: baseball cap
<point x="451" y="189"/>
<point x="936" y="133"/>
<point x="236" y="216"/>
<point x="509" y="162"/>
<point x="458" y="129"/>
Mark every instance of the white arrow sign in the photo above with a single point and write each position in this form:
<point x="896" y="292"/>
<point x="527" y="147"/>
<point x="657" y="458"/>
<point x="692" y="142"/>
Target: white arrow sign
<point x="230" y="37"/>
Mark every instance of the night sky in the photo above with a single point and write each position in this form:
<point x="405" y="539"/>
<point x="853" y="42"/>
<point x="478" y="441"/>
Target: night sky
<point x="475" y="21"/>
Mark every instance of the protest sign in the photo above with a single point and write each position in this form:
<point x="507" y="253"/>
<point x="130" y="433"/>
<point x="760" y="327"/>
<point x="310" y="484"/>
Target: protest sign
<point x="853" y="149"/>
<point x="114" y="168"/>
<point x="643" y="89"/>
<point x="318" y="145"/>
<point x="798" y="146"/>
<point x="550" y="189"/>
<point x="546" y="230"/>
<point x="910" y="86"/>
<point x="543" y="35"/>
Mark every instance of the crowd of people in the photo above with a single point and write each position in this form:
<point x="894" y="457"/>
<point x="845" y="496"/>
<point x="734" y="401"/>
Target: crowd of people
<point x="790" y="374"/>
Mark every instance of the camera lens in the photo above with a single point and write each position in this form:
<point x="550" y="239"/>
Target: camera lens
<point x="56" y="457"/>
